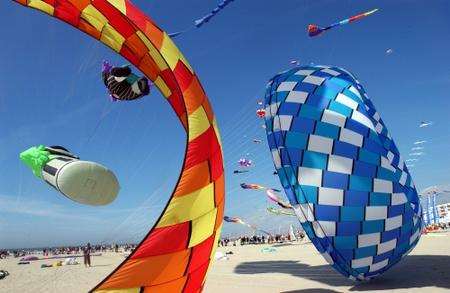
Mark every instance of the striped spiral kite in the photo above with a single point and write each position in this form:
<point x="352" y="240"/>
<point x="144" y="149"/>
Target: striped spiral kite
<point x="176" y="253"/>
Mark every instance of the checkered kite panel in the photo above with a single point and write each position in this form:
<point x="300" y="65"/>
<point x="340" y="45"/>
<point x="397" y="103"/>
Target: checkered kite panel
<point x="341" y="170"/>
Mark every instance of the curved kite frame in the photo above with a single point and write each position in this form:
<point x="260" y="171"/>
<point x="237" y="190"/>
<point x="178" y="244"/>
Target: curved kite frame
<point x="176" y="253"/>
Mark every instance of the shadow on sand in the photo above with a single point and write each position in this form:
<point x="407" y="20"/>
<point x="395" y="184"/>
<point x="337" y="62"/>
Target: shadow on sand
<point x="415" y="271"/>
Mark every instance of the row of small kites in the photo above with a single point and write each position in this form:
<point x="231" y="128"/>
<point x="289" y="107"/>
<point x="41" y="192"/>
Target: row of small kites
<point x="284" y="208"/>
<point x="418" y="148"/>
<point x="313" y="30"/>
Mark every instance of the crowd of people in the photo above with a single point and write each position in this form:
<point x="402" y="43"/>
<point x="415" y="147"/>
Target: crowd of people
<point x="260" y="239"/>
<point x="84" y="250"/>
<point x="437" y="227"/>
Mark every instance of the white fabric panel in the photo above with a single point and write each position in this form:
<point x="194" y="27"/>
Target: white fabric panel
<point x="286" y="86"/>
<point x="386" y="246"/>
<point x="304" y="72"/>
<point x="320" y="144"/>
<point x="343" y="99"/>
<point x="313" y="79"/>
<point x="398" y="198"/>
<point x="324" y="228"/>
<point x="282" y="122"/>
<point x="351" y="137"/>
<point x="380" y="185"/>
<point x="327" y="257"/>
<point x="276" y="158"/>
<point x="331" y="196"/>
<point x="340" y="164"/>
<point x="362" y="262"/>
<point x="368" y="239"/>
<point x="356" y="92"/>
<point x="297" y="97"/>
<point x="361" y="118"/>
<point x="330" y="71"/>
<point x="376" y="213"/>
<point x="378" y="265"/>
<point x="393" y="223"/>
<point x="309" y="176"/>
<point x="334" y="118"/>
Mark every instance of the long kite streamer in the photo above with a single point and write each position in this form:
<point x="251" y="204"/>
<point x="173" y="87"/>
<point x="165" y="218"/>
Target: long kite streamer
<point x="315" y="30"/>
<point x="206" y="18"/>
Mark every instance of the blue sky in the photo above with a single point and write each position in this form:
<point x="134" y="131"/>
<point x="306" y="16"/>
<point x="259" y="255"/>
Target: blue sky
<point x="51" y="93"/>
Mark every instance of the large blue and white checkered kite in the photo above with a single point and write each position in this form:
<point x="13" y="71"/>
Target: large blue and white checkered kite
<point x="341" y="170"/>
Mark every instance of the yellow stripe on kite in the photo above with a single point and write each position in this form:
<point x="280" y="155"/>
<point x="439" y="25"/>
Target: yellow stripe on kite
<point x="159" y="82"/>
<point x="154" y="53"/>
<point x="42" y="6"/>
<point x="172" y="54"/>
<point x="94" y="17"/>
<point x="112" y="38"/>
<point x="202" y="228"/>
<point x="198" y="123"/>
<point x="119" y="4"/>
<point x="189" y="207"/>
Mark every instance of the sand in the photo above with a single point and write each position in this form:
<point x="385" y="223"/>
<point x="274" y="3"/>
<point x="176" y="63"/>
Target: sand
<point x="291" y="268"/>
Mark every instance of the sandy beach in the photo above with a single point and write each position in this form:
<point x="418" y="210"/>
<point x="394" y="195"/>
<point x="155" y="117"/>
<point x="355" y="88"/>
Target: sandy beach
<point x="290" y="268"/>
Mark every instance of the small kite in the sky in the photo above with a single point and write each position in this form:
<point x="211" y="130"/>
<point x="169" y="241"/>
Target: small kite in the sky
<point x="206" y="18"/>
<point x="315" y="30"/>
<point x="280" y="212"/>
<point x="255" y="140"/>
<point x="256" y="187"/>
<point x="123" y="84"/>
<point x="237" y="220"/>
<point x="243" y="162"/>
<point x="411" y="160"/>
<point x="420" y="142"/>
<point x="261" y="113"/>
<point x="425" y="124"/>
<point x="389" y="51"/>
<point x="240" y="171"/>
<point x="274" y="197"/>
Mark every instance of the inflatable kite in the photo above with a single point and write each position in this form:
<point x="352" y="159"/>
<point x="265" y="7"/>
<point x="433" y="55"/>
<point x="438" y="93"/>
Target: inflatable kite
<point x="243" y="162"/>
<point x="425" y="124"/>
<point x="238" y="221"/>
<point x="315" y="30"/>
<point x="176" y="253"/>
<point x="260" y="113"/>
<point x="201" y="21"/>
<point x="123" y="85"/>
<point x="81" y="181"/>
<point x="274" y="197"/>
<point x="341" y="170"/>
<point x="280" y="212"/>
<point x="240" y="171"/>
<point x="256" y="187"/>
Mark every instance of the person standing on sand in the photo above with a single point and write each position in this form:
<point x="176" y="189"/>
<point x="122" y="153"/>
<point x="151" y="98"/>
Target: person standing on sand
<point x="87" y="255"/>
